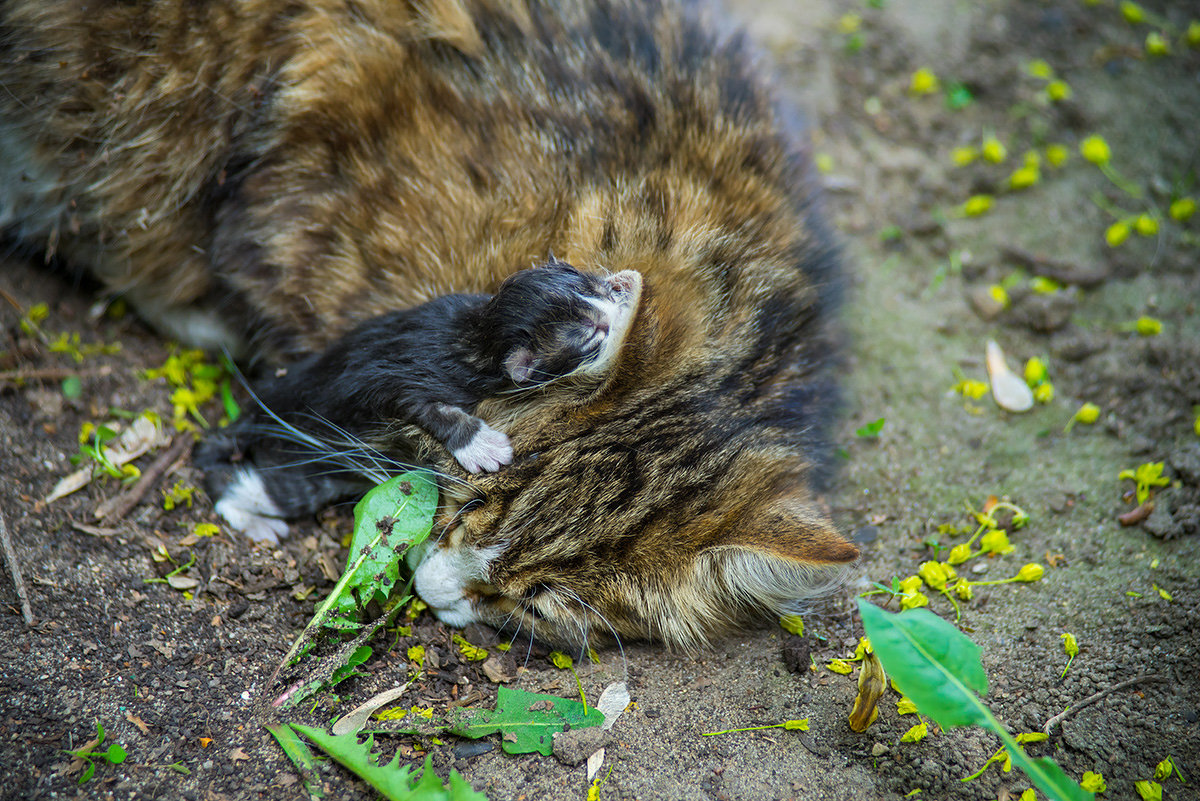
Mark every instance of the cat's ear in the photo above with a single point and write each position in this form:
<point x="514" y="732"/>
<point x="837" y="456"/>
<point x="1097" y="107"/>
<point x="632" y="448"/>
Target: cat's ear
<point x="782" y="553"/>
<point x="520" y="364"/>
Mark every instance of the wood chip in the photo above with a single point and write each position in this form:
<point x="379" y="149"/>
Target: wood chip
<point x="1135" y="516"/>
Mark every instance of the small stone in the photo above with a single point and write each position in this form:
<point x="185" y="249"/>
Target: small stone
<point x="574" y="747"/>
<point x="879" y="749"/>
<point x="984" y="303"/>
<point x="1045" y="313"/>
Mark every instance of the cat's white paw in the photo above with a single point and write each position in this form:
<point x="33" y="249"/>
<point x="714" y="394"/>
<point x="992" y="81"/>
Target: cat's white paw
<point x="441" y="576"/>
<point x="248" y="508"/>
<point x="487" y="451"/>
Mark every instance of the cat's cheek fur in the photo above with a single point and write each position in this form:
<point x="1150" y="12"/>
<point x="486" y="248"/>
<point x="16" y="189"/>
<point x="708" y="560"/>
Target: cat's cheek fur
<point x="487" y="451"/>
<point x="248" y="508"/>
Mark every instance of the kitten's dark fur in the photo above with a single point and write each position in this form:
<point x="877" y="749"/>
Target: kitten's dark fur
<point x="268" y="174"/>
<point x="430" y="366"/>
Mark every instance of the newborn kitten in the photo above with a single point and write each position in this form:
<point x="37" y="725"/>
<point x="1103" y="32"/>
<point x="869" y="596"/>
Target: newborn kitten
<point x="429" y="366"/>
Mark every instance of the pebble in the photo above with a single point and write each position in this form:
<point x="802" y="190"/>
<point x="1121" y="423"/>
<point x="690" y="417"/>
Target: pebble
<point x="879" y="749"/>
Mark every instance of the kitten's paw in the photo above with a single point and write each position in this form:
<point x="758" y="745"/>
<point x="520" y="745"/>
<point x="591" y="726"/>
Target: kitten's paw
<point x="248" y="508"/>
<point x="487" y="451"/>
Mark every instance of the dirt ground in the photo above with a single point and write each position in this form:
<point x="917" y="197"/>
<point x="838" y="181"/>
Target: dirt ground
<point x="174" y="677"/>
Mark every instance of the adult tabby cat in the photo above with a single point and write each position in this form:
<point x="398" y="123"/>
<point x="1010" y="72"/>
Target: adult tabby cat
<point x="266" y="174"/>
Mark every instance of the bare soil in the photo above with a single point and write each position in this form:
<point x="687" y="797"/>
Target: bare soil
<point x="176" y="677"/>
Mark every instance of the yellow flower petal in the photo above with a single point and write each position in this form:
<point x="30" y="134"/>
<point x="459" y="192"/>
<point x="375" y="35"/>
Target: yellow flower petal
<point x="993" y="150"/>
<point x="1117" y="233"/>
<point x="1095" y="150"/>
<point x="923" y="82"/>
<point x="916" y="734"/>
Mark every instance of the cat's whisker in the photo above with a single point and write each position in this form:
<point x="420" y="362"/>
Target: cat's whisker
<point x="532" y="634"/>
<point x="617" y="637"/>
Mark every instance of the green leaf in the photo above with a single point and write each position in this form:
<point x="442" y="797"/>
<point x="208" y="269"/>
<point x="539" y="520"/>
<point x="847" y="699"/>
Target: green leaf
<point x="938" y="667"/>
<point x="72" y="387"/>
<point x="870" y="429"/>
<point x="526" y="721"/>
<point x="958" y="96"/>
<point x="931" y="662"/>
<point x="361" y="654"/>
<point x="232" y="410"/>
<point x="393" y="780"/>
<point x="115" y="754"/>
<point x="293" y="747"/>
<point x="298" y="752"/>
<point x="88" y="772"/>
<point x="389" y="520"/>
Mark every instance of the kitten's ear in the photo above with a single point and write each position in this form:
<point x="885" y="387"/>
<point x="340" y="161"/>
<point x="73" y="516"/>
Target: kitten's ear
<point x="520" y="365"/>
<point x="781" y="554"/>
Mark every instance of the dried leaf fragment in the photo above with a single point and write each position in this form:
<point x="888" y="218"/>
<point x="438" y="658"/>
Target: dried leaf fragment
<point x="872" y="681"/>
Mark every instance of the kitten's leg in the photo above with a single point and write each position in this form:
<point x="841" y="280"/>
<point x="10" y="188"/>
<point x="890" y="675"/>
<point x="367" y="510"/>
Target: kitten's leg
<point x="256" y="495"/>
<point x="477" y="446"/>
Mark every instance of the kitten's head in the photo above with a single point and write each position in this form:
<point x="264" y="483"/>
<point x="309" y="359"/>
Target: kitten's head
<point x="550" y="322"/>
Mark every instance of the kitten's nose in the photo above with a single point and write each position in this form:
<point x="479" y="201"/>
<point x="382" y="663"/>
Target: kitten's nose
<point x="622" y="281"/>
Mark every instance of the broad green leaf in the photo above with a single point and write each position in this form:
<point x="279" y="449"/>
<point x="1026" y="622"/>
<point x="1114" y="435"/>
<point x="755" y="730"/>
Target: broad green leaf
<point x="938" y="667"/>
<point x="526" y="721"/>
<point x="390" y="519"/>
<point x="393" y="780"/>
<point x="933" y="663"/>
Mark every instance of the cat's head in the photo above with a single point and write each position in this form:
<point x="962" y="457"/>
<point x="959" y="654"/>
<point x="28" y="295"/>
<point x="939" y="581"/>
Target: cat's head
<point x="673" y="505"/>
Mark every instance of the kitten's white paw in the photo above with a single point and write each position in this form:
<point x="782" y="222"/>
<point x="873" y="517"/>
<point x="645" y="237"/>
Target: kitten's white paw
<point x="248" y="508"/>
<point x="487" y="451"/>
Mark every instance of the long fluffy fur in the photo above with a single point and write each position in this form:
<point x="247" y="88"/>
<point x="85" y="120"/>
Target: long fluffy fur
<point x="275" y="172"/>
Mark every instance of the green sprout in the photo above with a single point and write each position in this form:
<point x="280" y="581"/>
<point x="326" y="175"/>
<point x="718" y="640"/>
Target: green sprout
<point x="113" y="755"/>
<point x="1146" y="477"/>
<point x="790" y="725"/>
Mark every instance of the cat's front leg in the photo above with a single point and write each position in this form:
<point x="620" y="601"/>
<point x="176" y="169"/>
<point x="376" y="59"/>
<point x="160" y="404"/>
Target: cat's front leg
<point x="474" y="444"/>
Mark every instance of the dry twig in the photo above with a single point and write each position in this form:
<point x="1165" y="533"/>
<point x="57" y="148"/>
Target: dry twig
<point x="10" y="555"/>
<point x="52" y="373"/>
<point x="119" y="506"/>
<point x="1091" y="699"/>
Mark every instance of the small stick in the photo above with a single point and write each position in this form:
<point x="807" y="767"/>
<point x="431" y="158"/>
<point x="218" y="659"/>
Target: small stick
<point x="10" y="554"/>
<point x="51" y="373"/>
<point x="1091" y="699"/>
<point x="118" y="507"/>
